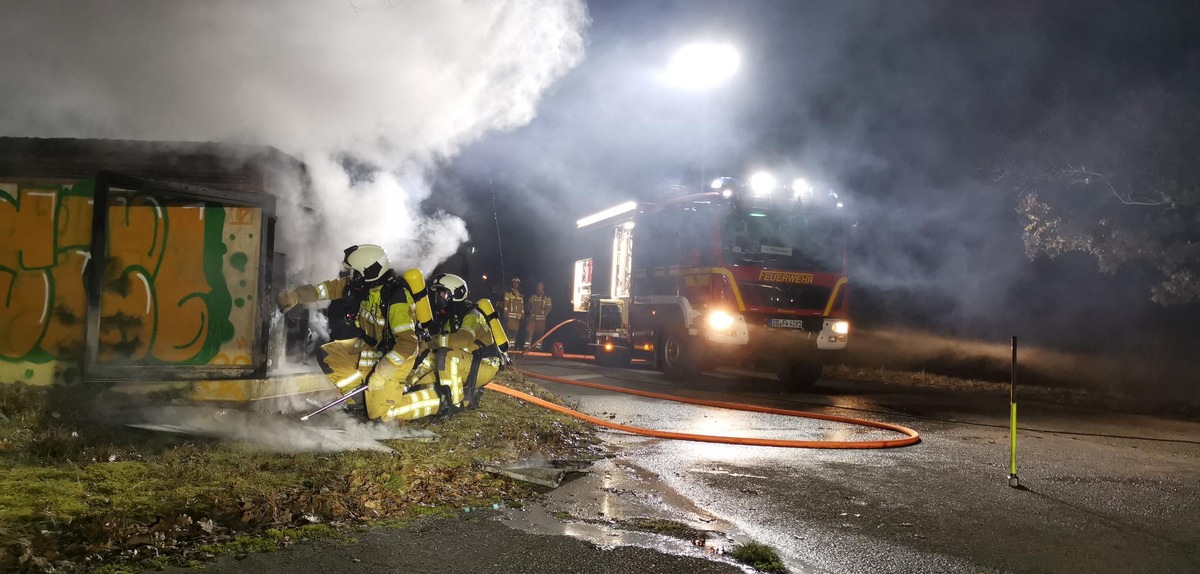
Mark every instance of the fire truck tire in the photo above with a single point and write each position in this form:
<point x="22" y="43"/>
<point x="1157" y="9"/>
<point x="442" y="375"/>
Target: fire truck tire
<point x="677" y="355"/>
<point x="801" y="376"/>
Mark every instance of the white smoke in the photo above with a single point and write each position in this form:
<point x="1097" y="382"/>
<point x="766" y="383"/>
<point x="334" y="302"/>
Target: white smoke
<point x="394" y="86"/>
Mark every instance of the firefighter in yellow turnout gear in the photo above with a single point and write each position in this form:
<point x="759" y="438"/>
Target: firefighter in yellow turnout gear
<point x="465" y="352"/>
<point x="514" y="310"/>
<point x="397" y="323"/>
<point x="539" y="309"/>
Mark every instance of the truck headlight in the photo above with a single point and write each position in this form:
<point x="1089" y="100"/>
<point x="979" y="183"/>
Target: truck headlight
<point x="762" y="184"/>
<point x="841" y="327"/>
<point x="720" y="320"/>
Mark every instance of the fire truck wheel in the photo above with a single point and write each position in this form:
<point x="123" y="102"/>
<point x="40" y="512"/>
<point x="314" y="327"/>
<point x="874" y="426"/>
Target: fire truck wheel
<point x="800" y="376"/>
<point x="677" y="355"/>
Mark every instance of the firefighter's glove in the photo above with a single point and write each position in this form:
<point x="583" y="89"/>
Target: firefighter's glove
<point x="288" y="299"/>
<point x="423" y="334"/>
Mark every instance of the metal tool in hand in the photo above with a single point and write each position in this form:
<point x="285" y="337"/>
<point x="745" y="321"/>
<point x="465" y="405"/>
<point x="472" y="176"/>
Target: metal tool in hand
<point x="335" y="403"/>
<point x="350" y="394"/>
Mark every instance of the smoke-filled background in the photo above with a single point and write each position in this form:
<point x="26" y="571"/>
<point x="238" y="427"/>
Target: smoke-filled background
<point x="926" y="115"/>
<point x="369" y="94"/>
<point x="424" y="121"/>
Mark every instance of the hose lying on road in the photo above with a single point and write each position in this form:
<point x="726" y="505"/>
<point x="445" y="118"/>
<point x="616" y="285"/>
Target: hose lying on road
<point x="912" y="436"/>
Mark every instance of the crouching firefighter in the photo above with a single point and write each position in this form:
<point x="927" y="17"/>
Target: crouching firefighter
<point x="397" y="324"/>
<point x="392" y="314"/>
<point x="465" y="351"/>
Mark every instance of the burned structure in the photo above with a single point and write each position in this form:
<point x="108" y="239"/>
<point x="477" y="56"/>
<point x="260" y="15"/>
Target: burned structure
<point x="134" y="261"/>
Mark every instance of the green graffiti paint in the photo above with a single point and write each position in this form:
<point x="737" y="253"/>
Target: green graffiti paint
<point x="239" y="302"/>
<point x="28" y="374"/>
<point x="82" y="188"/>
<point x="232" y="237"/>
<point x="220" y="302"/>
<point x="238" y="261"/>
<point x="242" y="283"/>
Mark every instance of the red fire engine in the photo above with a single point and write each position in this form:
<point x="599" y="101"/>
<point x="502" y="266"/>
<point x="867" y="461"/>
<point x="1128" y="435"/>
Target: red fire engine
<point x="749" y="276"/>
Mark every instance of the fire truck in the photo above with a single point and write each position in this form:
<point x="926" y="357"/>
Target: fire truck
<point x="745" y="274"/>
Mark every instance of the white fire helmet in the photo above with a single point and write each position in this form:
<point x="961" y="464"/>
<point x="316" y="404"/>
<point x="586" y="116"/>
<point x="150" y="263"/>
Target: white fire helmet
<point x="453" y="286"/>
<point x="367" y="262"/>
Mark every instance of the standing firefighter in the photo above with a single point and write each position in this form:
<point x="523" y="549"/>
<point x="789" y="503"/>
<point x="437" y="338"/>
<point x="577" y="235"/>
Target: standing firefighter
<point x="539" y="309"/>
<point x="514" y="310"/>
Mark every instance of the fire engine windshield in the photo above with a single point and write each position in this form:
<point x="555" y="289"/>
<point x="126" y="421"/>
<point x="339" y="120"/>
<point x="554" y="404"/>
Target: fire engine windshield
<point x="783" y="239"/>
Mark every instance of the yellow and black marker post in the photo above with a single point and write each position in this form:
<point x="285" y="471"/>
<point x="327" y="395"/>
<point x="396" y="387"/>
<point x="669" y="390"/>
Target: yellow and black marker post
<point x="1013" y="481"/>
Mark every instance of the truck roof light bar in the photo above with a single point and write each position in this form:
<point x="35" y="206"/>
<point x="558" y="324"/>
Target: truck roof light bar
<point x="606" y="214"/>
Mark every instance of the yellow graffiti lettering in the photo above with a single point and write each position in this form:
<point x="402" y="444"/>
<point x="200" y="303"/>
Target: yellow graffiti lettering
<point x="182" y="287"/>
<point x="65" y="330"/>
<point x="155" y="298"/>
<point x="27" y="230"/>
<point x="26" y="304"/>
<point x="136" y="230"/>
<point x="26" y="250"/>
<point x="227" y="359"/>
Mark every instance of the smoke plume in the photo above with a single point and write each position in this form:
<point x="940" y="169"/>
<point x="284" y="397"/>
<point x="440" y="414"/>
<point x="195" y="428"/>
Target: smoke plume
<point x="390" y="88"/>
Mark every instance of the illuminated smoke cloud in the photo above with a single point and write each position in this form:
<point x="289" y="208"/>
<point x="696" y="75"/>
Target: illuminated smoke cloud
<point x="392" y="86"/>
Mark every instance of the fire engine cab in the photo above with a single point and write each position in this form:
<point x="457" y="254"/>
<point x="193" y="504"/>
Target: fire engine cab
<point x="748" y="275"/>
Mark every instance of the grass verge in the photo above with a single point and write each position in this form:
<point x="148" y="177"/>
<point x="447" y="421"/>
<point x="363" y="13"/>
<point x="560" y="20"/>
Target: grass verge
<point x="75" y="494"/>
<point x="760" y="557"/>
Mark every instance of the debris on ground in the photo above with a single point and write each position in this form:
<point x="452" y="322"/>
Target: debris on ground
<point x="539" y="470"/>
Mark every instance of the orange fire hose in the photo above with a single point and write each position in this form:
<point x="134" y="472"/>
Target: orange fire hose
<point x="912" y="436"/>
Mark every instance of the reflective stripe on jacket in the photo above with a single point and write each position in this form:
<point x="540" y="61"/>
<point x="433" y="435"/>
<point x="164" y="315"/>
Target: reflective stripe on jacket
<point x="514" y="305"/>
<point x="539" y="306"/>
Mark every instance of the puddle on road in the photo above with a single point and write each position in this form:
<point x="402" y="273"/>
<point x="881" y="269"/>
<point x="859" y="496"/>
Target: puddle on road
<point x="725" y="472"/>
<point x="620" y="504"/>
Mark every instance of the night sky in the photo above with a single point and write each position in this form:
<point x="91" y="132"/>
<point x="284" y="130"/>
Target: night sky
<point x="911" y="110"/>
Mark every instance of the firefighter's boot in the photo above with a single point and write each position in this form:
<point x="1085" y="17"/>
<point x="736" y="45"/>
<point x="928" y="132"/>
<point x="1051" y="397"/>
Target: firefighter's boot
<point x="446" y="408"/>
<point x="356" y="407"/>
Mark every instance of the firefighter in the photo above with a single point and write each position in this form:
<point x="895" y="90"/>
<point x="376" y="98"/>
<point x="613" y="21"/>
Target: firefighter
<point x="393" y="315"/>
<point x="514" y="310"/>
<point x="464" y="352"/>
<point x="539" y="309"/>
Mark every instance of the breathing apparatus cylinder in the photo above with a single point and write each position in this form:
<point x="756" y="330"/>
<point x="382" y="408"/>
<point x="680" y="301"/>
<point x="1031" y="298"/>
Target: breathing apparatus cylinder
<point x="493" y="321"/>
<point x="416" y="284"/>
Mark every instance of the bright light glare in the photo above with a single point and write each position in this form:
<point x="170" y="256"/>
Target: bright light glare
<point x="801" y="189"/>
<point x="719" y="320"/>
<point x="702" y="66"/>
<point x="607" y="213"/>
<point x="727" y="193"/>
<point x="762" y="183"/>
<point x="717" y="183"/>
<point x="841" y="327"/>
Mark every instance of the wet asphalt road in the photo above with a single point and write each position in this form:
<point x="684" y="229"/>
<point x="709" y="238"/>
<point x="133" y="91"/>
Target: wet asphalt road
<point x="1091" y="502"/>
<point x="1097" y="499"/>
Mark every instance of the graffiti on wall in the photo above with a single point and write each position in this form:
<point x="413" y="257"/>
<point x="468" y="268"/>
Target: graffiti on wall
<point x="166" y="295"/>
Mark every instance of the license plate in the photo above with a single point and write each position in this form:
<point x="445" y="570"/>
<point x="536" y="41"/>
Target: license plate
<point x="786" y="323"/>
